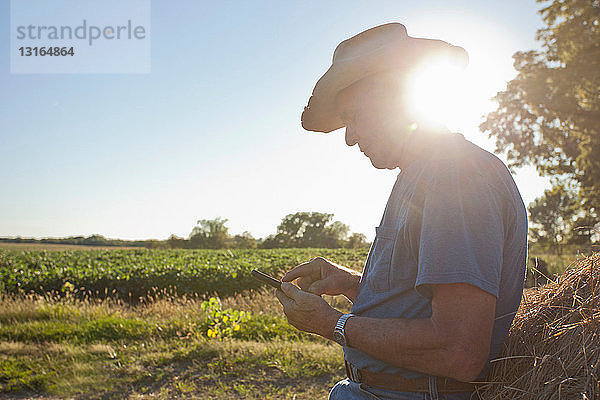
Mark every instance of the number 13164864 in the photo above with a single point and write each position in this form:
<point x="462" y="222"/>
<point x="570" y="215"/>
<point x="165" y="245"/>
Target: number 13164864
<point x="46" y="51"/>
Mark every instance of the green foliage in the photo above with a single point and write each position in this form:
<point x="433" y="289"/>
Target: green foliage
<point x="266" y="327"/>
<point x="357" y="241"/>
<point x="176" y="242"/>
<point x="308" y="229"/>
<point x="130" y="274"/>
<point x="222" y="323"/>
<point x="111" y="327"/>
<point x="549" y="115"/>
<point x="18" y="376"/>
<point x="244" y="241"/>
<point x="556" y="220"/>
<point x="209" y="234"/>
<point x="551" y="217"/>
<point x="229" y="323"/>
<point x="583" y="230"/>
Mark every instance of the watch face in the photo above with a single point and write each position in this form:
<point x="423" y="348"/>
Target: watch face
<point x="339" y="338"/>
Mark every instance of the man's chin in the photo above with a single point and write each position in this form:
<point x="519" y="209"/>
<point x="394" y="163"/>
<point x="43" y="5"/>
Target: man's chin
<point x="382" y="164"/>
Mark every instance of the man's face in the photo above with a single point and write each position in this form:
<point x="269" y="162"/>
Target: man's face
<point x="376" y="119"/>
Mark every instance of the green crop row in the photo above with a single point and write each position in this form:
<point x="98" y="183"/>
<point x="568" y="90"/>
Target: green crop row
<point x="138" y="273"/>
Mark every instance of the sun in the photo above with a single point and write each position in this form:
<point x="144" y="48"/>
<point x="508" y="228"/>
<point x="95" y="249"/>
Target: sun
<point x="437" y="92"/>
<point x="443" y="93"/>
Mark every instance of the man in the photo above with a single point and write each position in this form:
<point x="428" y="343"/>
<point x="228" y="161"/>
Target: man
<point x="444" y="275"/>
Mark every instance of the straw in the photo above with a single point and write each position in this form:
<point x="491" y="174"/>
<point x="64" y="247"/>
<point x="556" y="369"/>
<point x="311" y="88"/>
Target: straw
<point x="553" y="348"/>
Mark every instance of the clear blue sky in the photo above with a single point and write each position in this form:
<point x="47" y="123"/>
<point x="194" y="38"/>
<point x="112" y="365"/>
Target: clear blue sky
<point x="214" y="129"/>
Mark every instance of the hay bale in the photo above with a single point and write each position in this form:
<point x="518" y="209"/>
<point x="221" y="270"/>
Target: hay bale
<point x="553" y="348"/>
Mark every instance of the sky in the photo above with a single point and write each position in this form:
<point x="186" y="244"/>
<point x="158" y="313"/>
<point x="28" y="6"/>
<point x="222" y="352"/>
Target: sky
<point x="213" y="130"/>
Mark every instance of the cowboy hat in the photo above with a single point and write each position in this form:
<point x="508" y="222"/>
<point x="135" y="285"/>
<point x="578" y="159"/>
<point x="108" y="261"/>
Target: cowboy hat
<point x="382" y="48"/>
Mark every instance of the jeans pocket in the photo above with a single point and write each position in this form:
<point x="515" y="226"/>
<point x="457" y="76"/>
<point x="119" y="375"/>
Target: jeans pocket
<point x="379" y="263"/>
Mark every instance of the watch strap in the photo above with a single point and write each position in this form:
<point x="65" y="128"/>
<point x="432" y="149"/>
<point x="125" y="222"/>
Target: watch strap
<point x="340" y="326"/>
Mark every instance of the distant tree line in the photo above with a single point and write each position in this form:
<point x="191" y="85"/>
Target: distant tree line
<point x="93" y="240"/>
<point x="302" y="229"/>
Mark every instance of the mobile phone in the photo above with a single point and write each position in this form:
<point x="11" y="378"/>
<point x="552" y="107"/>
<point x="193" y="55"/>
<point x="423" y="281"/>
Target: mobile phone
<point x="266" y="279"/>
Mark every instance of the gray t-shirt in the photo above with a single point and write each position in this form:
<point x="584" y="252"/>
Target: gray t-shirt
<point x="454" y="215"/>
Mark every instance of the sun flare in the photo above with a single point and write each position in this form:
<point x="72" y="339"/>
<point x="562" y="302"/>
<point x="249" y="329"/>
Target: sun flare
<point x="437" y="93"/>
<point x="443" y="93"/>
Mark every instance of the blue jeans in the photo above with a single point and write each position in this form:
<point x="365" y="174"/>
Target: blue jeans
<point x="348" y="390"/>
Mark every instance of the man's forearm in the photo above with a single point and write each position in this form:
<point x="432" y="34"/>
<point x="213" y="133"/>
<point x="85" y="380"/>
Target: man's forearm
<point x="415" y="344"/>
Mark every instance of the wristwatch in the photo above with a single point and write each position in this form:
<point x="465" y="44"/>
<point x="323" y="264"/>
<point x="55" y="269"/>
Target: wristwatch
<point x="339" y="334"/>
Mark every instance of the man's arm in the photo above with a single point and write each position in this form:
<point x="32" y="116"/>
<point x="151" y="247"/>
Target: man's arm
<point x="454" y="342"/>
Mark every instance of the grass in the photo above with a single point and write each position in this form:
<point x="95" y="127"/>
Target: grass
<point x="170" y="368"/>
<point x="55" y="347"/>
<point x="538" y="257"/>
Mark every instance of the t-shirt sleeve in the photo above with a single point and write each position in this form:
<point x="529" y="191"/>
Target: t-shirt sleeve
<point x="462" y="231"/>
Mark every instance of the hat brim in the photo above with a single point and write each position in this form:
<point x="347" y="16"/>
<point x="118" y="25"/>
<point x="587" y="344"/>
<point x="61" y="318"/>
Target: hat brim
<point x="320" y="114"/>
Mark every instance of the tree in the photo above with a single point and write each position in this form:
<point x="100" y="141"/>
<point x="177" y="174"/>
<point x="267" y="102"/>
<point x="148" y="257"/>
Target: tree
<point x="273" y="242"/>
<point x="549" y="115"/>
<point x="210" y="233"/>
<point x="244" y="241"/>
<point x="583" y="230"/>
<point x="551" y="217"/>
<point x="357" y="240"/>
<point x="176" y="242"/>
<point x="308" y="229"/>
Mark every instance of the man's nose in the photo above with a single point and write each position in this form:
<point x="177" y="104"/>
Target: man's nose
<point x="351" y="138"/>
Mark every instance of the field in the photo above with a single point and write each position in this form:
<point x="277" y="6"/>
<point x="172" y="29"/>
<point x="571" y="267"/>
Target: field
<point x="160" y="324"/>
<point x="157" y="324"/>
<point x="55" y="247"/>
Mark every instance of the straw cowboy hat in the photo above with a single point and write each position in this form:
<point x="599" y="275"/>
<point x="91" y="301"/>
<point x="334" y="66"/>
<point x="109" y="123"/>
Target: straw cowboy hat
<point x="382" y="48"/>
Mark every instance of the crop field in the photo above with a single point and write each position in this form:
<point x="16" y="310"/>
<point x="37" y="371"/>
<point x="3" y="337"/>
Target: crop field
<point x="137" y="273"/>
<point x="158" y="324"/>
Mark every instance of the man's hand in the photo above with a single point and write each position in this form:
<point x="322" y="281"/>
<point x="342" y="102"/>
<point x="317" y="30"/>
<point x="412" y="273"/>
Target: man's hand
<point x="321" y="276"/>
<point x="307" y="312"/>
